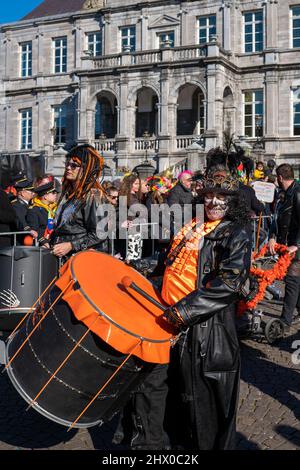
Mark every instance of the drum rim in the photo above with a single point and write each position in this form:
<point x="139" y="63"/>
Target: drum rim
<point x="36" y="405"/>
<point x="79" y="288"/>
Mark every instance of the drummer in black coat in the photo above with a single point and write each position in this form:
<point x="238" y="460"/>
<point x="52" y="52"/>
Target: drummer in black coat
<point x="25" y="193"/>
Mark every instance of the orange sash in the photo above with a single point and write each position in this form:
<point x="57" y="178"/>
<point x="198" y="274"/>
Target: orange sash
<point x="180" y="279"/>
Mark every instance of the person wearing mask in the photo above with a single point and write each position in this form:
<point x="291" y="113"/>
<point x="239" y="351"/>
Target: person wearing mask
<point x="286" y="230"/>
<point x="207" y="265"/>
<point x="25" y="194"/>
<point x="246" y="192"/>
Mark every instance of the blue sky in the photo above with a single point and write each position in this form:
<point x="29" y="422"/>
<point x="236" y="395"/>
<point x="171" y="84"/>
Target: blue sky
<point x="14" y="10"/>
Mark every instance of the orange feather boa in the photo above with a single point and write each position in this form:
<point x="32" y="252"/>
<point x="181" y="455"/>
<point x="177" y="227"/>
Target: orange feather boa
<point x="267" y="277"/>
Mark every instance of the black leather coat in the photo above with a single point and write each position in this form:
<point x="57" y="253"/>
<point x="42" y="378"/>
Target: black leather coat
<point x="208" y="352"/>
<point x="80" y="228"/>
<point x="286" y="228"/>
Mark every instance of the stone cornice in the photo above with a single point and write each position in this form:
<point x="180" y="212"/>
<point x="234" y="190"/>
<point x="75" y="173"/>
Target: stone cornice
<point x="42" y="89"/>
<point x="69" y="17"/>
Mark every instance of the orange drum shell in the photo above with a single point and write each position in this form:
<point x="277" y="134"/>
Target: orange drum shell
<point x="121" y="317"/>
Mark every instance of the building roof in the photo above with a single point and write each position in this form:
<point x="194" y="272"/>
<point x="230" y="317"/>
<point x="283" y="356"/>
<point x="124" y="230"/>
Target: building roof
<point x="55" y="7"/>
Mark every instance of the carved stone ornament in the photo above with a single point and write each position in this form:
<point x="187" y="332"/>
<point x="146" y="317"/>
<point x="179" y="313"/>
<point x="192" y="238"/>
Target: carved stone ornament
<point x="93" y="4"/>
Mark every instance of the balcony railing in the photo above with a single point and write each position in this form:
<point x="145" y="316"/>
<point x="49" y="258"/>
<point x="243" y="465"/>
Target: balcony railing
<point x="176" y="54"/>
<point x="184" y="141"/>
<point x="142" y="144"/>
<point x="189" y="52"/>
<point x="108" y="62"/>
<point x="107" y="145"/>
<point x="140" y="58"/>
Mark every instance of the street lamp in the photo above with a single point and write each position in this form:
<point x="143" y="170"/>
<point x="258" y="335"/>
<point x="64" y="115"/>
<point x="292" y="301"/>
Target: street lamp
<point x="146" y="137"/>
<point x="145" y="169"/>
<point x="259" y="144"/>
<point x="102" y="139"/>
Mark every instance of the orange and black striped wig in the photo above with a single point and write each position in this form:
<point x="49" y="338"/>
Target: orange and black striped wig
<point x="88" y="178"/>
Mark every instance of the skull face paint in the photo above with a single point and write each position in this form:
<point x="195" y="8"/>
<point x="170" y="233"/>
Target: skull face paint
<point x="216" y="206"/>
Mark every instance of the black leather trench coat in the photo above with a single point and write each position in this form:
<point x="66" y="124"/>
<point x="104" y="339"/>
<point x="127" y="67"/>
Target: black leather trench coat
<point x="286" y="227"/>
<point x="206" y="356"/>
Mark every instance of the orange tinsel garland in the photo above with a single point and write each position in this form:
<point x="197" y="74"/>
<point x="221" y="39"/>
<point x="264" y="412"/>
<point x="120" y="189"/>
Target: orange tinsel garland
<point x="267" y="277"/>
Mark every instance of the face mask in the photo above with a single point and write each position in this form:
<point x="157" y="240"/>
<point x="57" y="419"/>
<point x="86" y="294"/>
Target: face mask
<point x="215" y="207"/>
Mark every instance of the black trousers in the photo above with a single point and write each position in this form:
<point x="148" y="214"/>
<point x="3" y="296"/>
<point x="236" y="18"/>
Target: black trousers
<point x="141" y="424"/>
<point x="291" y="298"/>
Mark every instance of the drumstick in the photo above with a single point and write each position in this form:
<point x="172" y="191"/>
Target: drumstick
<point x="128" y="282"/>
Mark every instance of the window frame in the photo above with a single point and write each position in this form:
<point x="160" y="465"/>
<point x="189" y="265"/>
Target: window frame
<point x="94" y="43"/>
<point x="207" y="27"/>
<point x="294" y="101"/>
<point x="26" y="57"/>
<point x="165" y="33"/>
<point x="26" y="138"/>
<point x="121" y="29"/>
<point x="253" y="114"/>
<point x="63" y="67"/>
<point x="253" y="23"/>
<point x="62" y="139"/>
<point x="293" y="7"/>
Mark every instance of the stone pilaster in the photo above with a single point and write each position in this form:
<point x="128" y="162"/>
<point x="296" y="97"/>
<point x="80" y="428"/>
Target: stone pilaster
<point x="106" y="35"/>
<point x="79" y="46"/>
<point x="271" y="104"/>
<point x="144" y="30"/>
<point x="40" y="53"/>
<point x="82" y="111"/>
<point x="226" y="8"/>
<point x="271" y="12"/>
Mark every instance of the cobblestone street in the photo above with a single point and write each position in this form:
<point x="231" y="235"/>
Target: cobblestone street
<point x="268" y="418"/>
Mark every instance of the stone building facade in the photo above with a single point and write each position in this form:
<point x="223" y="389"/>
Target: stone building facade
<point x="160" y="79"/>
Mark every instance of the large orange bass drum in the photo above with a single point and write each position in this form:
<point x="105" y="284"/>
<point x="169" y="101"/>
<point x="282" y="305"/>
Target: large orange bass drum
<point x="91" y="342"/>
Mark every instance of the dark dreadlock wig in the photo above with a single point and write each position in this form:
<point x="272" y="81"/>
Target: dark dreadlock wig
<point x="238" y="210"/>
<point x="88" y="178"/>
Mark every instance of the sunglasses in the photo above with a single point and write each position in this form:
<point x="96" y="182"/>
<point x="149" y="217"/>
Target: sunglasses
<point x="72" y="165"/>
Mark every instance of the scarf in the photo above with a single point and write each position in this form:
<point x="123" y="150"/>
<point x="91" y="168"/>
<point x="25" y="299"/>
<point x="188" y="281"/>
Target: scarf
<point x="51" y="210"/>
<point x="180" y="278"/>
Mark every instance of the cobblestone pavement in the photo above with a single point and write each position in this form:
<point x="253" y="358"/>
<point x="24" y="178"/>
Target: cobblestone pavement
<point x="268" y="418"/>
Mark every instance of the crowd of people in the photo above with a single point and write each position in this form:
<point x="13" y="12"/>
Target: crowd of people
<point x="204" y="261"/>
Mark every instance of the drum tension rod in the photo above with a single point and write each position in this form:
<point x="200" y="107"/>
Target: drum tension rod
<point x="36" y="327"/>
<point x="131" y="352"/>
<point x="127" y="282"/>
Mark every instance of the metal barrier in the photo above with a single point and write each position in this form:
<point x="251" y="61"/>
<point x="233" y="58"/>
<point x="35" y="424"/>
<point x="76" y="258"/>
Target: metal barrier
<point x="14" y="234"/>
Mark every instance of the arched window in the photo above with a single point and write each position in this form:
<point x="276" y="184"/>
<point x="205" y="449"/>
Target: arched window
<point x="190" y="111"/>
<point x="146" y="112"/>
<point x="106" y="117"/>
